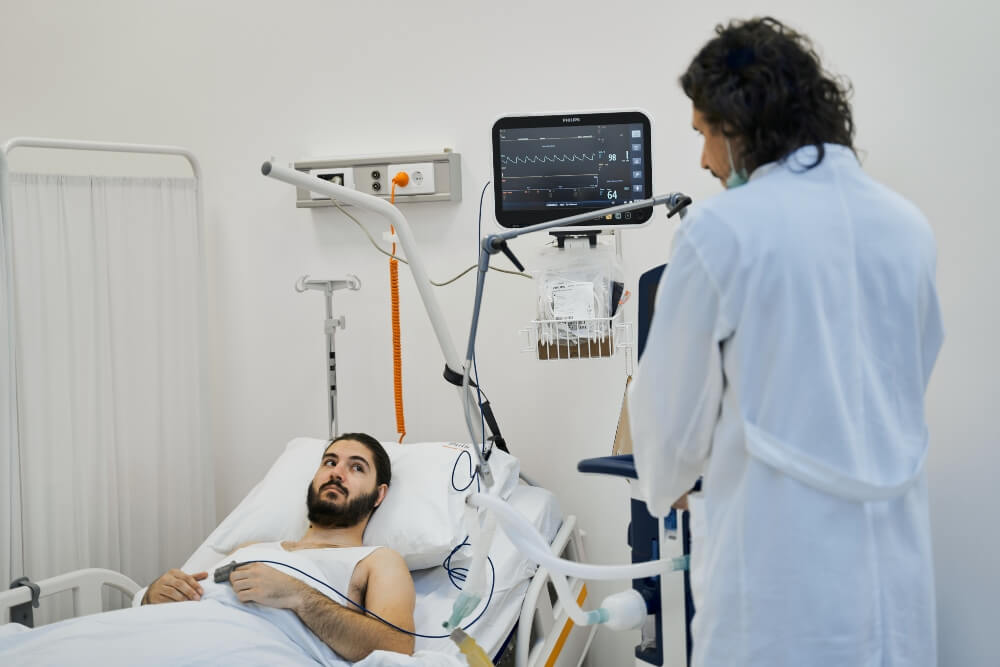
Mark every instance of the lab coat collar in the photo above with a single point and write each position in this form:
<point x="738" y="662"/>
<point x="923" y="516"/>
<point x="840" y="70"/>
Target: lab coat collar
<point x="806" y="155"/>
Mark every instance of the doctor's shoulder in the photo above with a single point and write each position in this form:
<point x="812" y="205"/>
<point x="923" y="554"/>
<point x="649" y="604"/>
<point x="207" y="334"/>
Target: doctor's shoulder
<point x="904" y="209"/>
<point x="732" y="211"/>
<point x="713" y="228"/>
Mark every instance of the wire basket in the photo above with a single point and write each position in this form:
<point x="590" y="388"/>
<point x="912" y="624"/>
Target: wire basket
<point x="592" y="338"/>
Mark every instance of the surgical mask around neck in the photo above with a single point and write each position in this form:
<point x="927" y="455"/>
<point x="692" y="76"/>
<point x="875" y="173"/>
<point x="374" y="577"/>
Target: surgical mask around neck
<point x="737" y="177"/>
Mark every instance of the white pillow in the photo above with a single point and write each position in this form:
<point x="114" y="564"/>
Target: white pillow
<point x="421" y="516"/>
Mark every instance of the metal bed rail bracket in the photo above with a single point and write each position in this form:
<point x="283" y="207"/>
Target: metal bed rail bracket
<point x="23" y="613"/>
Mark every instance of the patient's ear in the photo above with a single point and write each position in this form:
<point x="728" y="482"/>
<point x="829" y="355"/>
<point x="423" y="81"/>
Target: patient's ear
<point x="382" y="490"/>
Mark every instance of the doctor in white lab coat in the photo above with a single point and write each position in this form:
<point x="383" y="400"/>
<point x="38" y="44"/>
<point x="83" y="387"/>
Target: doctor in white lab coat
<point x="794" y="334"/>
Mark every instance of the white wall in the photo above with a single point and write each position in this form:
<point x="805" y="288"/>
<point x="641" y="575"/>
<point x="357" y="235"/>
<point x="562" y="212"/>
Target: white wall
<point x="239" y="82"/>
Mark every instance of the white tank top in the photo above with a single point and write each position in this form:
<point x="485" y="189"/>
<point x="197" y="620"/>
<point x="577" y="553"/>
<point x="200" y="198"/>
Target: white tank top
<point x="333" y="566"/>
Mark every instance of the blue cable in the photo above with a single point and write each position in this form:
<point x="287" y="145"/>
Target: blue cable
<point x="376" y="616"/>
<point x="473" y="473"/>
<point x="458" y="574"/>
<point x="475" y="368"/>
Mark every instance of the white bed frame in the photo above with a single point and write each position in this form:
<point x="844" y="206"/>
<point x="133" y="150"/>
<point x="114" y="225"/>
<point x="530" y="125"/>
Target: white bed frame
<point x="87" y="586"/>
<point x="545" y="635"/>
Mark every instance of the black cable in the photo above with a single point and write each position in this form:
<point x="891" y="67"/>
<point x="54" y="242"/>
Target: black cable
<point x="376" y="616"/>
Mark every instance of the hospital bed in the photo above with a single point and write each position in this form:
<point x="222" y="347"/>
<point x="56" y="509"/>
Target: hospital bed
<point x="523" y="624"/>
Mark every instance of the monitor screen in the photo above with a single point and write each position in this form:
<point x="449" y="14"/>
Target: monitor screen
<point x="547" y="167"/>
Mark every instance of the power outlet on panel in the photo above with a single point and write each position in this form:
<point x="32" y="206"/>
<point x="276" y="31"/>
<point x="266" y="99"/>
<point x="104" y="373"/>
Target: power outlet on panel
<point x="339" y="175"/>
<point x="421" y="177"/>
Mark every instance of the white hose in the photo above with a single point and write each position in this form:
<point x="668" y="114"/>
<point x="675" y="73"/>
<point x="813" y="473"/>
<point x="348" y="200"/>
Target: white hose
<point x="559" y="581"/>
<point x="475" y="581"/>
<point x="570" y="604"/>
<point x="528" y="541"/>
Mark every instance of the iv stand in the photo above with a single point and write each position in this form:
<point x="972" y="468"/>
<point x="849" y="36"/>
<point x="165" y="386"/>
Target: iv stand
<point x="330" y="326"/>
<point x="493" y="244"/>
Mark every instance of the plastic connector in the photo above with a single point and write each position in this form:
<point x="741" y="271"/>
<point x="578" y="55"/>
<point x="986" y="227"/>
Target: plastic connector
<point x="474" y="654"/>
<point x="464" y="605"/>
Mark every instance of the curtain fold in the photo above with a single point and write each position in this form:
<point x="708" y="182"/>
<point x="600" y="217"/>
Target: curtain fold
<point x="115" y="469"/>
<point x="10" y="467"/>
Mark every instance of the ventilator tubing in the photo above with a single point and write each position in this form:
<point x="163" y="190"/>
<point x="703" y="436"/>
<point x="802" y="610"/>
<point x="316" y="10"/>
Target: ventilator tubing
<point x="537" y="550"/>
<point x="475" y="580"/>
<point x="530" y="542"/>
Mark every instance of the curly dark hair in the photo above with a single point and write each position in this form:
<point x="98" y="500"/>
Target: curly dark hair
<point x="762" y="82"/>
<point x="383" y="466"/>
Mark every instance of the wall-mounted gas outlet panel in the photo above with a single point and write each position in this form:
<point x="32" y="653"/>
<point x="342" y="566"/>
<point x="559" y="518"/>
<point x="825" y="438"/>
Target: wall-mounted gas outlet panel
<point x="432" y="176"/>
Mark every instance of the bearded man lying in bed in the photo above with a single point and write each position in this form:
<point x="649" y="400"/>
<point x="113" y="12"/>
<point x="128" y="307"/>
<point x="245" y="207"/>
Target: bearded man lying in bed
<point x="349" y="485"/>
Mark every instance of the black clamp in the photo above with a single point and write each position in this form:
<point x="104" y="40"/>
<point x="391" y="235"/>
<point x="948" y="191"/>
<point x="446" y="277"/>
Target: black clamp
<point x="455" y="378"/>
<point x="494" y="244"/>
<point x="678" y="203"/>
<point x="22" y="613"/>
<point x="589" y="234"/>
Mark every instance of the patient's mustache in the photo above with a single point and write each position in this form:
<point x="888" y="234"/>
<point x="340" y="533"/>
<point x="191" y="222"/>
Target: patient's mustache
<point x="336" y="484"/>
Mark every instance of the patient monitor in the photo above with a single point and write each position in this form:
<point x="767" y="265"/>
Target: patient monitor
<point x="548" y="166"/>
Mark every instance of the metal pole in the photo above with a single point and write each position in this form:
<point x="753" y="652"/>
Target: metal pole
<point x="330" y="326"/>
<point x="331" y="353"/>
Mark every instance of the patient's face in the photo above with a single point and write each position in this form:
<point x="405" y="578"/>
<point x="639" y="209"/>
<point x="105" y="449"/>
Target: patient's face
<point x="343" y="492"/>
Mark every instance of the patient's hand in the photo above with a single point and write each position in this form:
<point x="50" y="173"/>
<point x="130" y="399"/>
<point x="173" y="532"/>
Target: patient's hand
<point x="265" y="585"/>
<point x="175" y="586"/>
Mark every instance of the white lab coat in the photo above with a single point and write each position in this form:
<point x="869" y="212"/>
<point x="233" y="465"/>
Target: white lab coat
<point x="794" y="334"/>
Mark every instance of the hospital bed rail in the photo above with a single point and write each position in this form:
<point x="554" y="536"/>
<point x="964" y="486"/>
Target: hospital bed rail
<point x="546" y="635"/>
<point x="87" y="586"/>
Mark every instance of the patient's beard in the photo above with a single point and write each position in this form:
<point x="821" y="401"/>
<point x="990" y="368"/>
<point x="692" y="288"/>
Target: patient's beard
<point x="325" y="514"/>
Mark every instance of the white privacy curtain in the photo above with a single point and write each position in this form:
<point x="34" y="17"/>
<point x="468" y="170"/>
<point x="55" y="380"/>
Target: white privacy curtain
<point x="115" y="469"/>
<point x="10" y="490"/>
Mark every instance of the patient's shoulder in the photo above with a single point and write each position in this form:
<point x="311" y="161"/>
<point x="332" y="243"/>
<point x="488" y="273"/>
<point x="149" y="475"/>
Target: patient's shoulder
<point x="384" y="559"/>
<point x="385" y="556"/>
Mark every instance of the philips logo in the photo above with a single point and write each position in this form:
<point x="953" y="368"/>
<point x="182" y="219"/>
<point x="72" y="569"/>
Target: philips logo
<point x="574" y="119"/>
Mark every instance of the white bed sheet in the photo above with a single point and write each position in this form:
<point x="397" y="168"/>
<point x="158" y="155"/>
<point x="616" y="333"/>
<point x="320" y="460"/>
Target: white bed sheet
<point x="218" y="630"/>
<point x="435" y="593"/>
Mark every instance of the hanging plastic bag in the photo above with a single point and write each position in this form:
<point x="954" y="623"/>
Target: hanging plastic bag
<point x="578" y="293"/>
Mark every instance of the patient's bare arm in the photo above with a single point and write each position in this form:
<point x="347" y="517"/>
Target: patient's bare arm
<point x="175" y="586"/>
<point x="352" y="634"/>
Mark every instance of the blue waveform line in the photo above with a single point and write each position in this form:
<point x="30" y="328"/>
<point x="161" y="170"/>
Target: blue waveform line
<point x="548" y="158"/>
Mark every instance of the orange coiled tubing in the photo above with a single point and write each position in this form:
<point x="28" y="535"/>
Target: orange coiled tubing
<point x="397" y="346"/>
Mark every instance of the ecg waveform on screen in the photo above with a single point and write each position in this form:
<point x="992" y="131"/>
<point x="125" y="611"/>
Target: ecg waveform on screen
<point x="550" y="189"/>
<point x="534" y="159"/>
